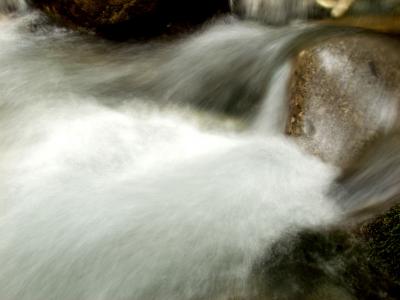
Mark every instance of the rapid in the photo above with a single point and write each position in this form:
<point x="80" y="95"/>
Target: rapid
<point x="148" y="171"/>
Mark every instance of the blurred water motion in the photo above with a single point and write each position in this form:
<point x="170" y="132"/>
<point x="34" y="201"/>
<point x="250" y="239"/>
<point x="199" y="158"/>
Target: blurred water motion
<point x="154" y="171"/>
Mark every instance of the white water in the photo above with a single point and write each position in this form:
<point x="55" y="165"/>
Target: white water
<point x="128" y="200"/>
<point x="274" y="11"/>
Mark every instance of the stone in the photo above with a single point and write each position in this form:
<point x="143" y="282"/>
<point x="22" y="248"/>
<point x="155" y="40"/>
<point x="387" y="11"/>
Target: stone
<point x="382" y="235"/>
<point x="343" y="92"/>
<point x="322" y="263"/>
<point x="131" y="18"/>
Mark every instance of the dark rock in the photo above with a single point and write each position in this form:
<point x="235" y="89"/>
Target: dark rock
<point x="383" y="238"/>
<point x="132" y="18"/>
<point x="344" y="92"/>
<point x="322" y="264"/>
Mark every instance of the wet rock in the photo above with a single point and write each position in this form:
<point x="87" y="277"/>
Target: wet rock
<point x="371" y="184"/>
<point x="382" y="235"/>
<point x="343" y="92"/>
<point x="359" y="256"/>
<point x="372" y="200"/>
<point x="322" y="264"/>
<point x="132" y="18"/>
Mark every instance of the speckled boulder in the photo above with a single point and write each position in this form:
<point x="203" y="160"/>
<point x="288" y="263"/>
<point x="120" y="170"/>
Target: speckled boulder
<point x="343" y="92"/>
<point x="131" y="18"/>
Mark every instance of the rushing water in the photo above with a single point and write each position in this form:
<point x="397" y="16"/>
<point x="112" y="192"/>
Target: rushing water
<point x="146" y="171"/>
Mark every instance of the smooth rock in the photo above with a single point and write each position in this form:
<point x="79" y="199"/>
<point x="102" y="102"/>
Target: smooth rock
<point x="344" y="91"/>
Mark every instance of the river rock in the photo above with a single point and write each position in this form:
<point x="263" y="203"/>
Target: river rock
<point x="132" y="18"/>
<point x="343" y="92"/>
<point x="324" y="263"/>
<point x="382" y="235"/>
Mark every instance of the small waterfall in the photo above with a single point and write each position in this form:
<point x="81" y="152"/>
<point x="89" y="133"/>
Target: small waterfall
<point x="272" y="116"/>
<point x="115" y="185"/>
<point x="276" y="11"/>
<point x="149" y="171"/>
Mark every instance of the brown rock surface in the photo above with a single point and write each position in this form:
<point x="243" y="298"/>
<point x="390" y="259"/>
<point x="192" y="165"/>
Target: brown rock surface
<point x="344" y="91"/>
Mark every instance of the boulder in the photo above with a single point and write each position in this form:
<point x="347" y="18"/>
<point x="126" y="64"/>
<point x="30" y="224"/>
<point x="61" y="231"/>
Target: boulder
<point x="131" y="18"/>
<point x="343" y="92"/>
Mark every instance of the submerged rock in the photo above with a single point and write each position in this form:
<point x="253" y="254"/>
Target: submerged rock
<point x="383" y="238"/>
<point x="343" y="92"/>
<point x="131" y="18"/>
<point x="356" y="258"/>
<point x="322" y="264"/>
